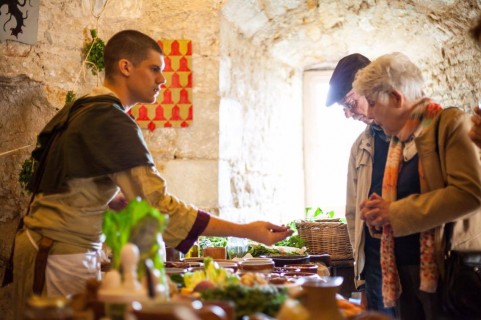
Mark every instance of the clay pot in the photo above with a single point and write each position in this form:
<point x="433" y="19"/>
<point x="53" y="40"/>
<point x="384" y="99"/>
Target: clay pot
<point x="318" y="296"/>
<point x="214" y="252"/>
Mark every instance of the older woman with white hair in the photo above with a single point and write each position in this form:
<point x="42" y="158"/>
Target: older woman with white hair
<point x="432" y="176"/>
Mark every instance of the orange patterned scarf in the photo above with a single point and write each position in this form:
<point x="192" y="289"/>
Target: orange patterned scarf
<point x="420" y="118"/>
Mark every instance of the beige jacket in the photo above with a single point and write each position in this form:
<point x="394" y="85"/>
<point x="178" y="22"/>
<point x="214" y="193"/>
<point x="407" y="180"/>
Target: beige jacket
<point x="453" y="173"/>
<point x="452" y="168"/>
<point x="358" y="184"/>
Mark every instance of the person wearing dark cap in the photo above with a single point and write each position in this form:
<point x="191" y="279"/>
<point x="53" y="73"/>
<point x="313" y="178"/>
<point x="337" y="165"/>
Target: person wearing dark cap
<point x="365" y="173"/>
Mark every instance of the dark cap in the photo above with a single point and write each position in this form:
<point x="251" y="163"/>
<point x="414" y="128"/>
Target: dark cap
<point x="343" y="76"/>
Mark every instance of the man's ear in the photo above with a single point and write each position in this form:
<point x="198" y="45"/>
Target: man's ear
<point x="125" y="67"/>
<point x="398" y="97"/>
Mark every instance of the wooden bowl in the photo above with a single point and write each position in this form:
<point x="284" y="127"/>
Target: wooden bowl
<point x="256" y="266"/>
<point x="282" y="260"/>
<point x="301" y="275"/>
<point x="304" y="267"/>
<point x="228" y="265"/>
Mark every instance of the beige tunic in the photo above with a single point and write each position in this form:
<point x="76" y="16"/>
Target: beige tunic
<point x="74" y="221"/>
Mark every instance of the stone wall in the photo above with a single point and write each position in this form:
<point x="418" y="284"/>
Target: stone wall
<point x="54" y="64"/>
<point x="260" y="149"/>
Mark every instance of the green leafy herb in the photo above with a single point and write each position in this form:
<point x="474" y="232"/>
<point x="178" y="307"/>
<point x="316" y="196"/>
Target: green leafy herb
<point x="94" y="53"/>
<point x="292" y="241"/>
<point x="257" y="250"/>
<point x="138" y="223"/>
<point x="312" y="215"/>
<point x="249" y="300"/>
<point x="178" y="279"/>
<point x="205" y="242"/>
<point x="26" y="173"/>
<point x="70" y="96"/>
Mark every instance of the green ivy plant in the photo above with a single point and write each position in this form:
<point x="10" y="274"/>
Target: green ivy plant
<point x="26" y="173"/>
<point x="70" y="96"/>
<point x="93" y="52"/>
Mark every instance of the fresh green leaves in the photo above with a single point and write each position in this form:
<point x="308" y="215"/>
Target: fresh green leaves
<point x="313" y="213"/>
<point x="205" y="242"/>
<point x="94" y="53"/>
<point x="292" y="241"/>
<point x="138" y="223"/>
<point x="70" y="96"/>
<point x="257" y="250"/>
<point x="249" y="300"/>
<point x="26" y="172"/>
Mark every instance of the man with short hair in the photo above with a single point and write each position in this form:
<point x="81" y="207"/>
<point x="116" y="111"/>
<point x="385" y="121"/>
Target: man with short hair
<point x="100" y="152"/>
<point x="365" y="173"/>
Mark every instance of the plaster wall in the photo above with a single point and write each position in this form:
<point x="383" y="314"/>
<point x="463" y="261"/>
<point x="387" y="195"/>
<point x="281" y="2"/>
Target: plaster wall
<point x="260" y="138"/>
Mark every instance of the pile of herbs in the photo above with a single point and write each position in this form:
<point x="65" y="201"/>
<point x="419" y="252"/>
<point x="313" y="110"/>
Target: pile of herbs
<point x="294" y="240"/>
<point x="205" y="242"/>
<point x="249" y="300"/>
<point x="258" y="250"/>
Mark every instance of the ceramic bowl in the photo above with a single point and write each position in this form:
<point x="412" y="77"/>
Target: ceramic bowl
<point x="194" y="259"/>
<point x="177" y="264"/>
<point x="256" y="266"/>
<point x="304" y="267"/>
<point x="194" y="264"/>
<point x="259" y="259"/>
<point x="171" y="271"/>
<point x="283" y="260"/>
<point x="228" y="265"/>
<point x="301" y="275"/>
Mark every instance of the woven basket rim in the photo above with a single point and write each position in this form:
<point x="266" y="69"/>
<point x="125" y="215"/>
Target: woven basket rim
<point x="326" y="236"/>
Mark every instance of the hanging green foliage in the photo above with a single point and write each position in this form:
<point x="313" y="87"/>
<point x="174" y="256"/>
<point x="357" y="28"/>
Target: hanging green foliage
<point x="70" y="96"/>
<point x="26" y="173"/>
<point x="94" y="53"/>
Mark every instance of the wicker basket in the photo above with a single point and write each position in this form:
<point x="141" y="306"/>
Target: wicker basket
<point x="326" y="236"/>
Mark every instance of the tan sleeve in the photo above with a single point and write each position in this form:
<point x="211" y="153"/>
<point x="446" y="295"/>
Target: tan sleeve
<point x="145" y="182"/>
<point x="453" y="174"/>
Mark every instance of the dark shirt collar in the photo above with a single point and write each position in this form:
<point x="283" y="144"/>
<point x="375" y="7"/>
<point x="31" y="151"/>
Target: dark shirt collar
<point x="377" y="131"/>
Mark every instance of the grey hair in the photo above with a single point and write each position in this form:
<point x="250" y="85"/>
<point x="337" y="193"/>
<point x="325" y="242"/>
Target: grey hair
<point x="389" y="72"/>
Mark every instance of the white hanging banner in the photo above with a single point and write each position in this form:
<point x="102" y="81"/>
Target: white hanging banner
<point x="19" y="20"/>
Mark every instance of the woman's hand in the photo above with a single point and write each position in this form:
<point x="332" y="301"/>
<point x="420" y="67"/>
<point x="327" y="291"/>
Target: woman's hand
<point x="375" y="211"/>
